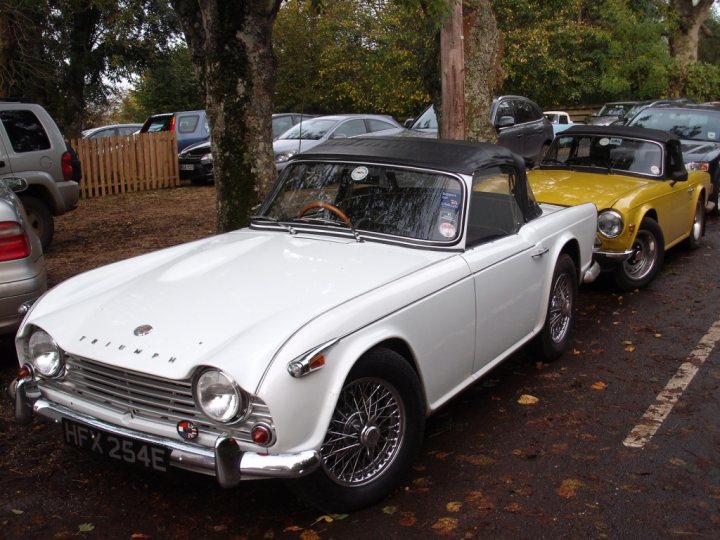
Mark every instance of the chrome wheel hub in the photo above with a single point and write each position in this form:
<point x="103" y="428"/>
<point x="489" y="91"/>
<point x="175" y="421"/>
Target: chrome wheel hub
<point x="561" y="302"/>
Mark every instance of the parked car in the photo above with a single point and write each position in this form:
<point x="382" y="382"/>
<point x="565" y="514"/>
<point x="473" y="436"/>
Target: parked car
<point x="380" y="278"/>
<point x="519" y="122"/>
<point x="312" y="132"/>
<point x="23" y="277"/>
<point x="642" y="105"/>
<point x="113" y="130"/>
<point x="195" y="163"/>
<point x="32" y="148"/>
<point x="698" y="128"/>
<point x="196" y="160"/>
<point x="646" y="200"/>
<point x="560" y="120"/>
<point x="611" y="112"/>
<point x="189" y="126"/>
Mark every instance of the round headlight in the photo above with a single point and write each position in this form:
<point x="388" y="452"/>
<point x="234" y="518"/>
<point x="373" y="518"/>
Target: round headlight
<point x="45" y="356"/>
<point x="610" y="224"/>
<point x="218" y="396"/>
<point x="282" y="158"/>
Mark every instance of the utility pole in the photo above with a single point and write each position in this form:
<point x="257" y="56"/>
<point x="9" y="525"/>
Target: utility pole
<point x="452" y="67"/>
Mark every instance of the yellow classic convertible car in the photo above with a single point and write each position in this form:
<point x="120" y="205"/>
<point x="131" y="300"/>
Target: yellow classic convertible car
<point x="647" y="201"/>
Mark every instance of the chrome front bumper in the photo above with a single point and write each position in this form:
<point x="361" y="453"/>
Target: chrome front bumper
<point x="612" y="257"/>
<point x="226" y="460"/>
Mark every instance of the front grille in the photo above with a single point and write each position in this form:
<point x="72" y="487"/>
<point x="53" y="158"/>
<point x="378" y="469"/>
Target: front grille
<point x="145" y="396"/>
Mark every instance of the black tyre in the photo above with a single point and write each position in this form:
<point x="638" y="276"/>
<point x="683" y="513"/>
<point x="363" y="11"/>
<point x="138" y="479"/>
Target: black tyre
<point x="648" y="254"/>
<point x="40" y="218"/>
<point x="697" y="229"/>
<point x="374" y="435"/>
<point x="553" y="339"/>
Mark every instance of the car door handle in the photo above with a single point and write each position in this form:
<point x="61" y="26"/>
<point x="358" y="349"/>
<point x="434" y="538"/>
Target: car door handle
<point x="691" y="190"/>
<point x="539" y="252"/>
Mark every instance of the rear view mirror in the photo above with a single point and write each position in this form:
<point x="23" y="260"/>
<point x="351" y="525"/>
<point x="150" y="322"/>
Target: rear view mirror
<point x="505" y="121"/>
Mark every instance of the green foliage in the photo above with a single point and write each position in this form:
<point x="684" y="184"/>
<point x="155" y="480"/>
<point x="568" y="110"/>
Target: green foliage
<point x="170" y="83"/>
<point x="567" y="53"/>
<point x="360" y="56"/>
<point x="702" y="81"/>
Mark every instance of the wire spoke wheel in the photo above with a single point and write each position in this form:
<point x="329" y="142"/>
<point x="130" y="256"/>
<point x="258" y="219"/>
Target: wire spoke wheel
<point x="561" y="303"/>
<point x="645" y="254"/>
<point x="365" y="433"/>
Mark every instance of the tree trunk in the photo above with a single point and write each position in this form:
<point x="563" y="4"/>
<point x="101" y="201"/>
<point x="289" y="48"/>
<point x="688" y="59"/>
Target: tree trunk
<point x="230" y="43"/>
<point x="483" y="68"/>
<point x="688" y="17"/>
<point x="84" y="21"/>
<point x="7" y="46"/>
<point x="452" y="114"/>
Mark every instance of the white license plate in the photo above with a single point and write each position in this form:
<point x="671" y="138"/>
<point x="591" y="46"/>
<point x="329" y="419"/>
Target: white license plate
<point x="187" y="167"/>
<point x="115" y="447"/>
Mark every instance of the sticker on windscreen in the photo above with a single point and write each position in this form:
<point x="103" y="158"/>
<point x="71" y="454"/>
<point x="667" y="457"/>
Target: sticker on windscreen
<point x="451" y="200"/>
<point x="712" y="135"/>
<point x="447" y="229"/>
<point x="604" y="141"/>
<point x="655" y="170"/>
<point x="616" y="142"/>
<point x="359" y="173"/>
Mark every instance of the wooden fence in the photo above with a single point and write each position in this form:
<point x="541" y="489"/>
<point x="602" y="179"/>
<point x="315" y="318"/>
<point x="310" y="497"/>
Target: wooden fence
<point x="141" y="162"/>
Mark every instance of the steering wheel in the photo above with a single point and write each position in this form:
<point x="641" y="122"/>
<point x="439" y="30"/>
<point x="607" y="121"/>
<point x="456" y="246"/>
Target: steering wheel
<point x="326" y="206"/>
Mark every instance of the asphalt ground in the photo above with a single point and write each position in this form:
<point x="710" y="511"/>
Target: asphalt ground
<point x="490" y="467"/>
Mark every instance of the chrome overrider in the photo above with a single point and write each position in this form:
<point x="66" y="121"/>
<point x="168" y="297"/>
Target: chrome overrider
<point x="226" y="460"/>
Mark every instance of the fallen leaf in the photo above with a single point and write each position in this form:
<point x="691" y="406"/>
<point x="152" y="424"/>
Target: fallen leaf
<point x="86" y="527"/>
<point x="630" y="348"/>
<point x="269" y="535"/>
<point x="445" y="525"/>
<point x="309" y="534"/>
<point x="599" y="386"/>
<point x="568" y="488"/>
<point x="576" y="352"/>
<point x="513" y="508"/>
<point x="390" y="510"/>
<point x="678" y="462"/>
<point x="527" y="399"/>
<point x="139" y="536"/>
<point x="658" y="335"/>
<point x="443" y="455"/>
<point x="453" y="506"/>
<point x="292" y="528"/>
<point x="478" y="459"/>
<point x="408" y="519"/>
<point x="17" y="512"/>
<point x="220" y="528"/>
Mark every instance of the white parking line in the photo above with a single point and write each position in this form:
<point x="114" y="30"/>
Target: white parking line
<point x="653" y="418"/>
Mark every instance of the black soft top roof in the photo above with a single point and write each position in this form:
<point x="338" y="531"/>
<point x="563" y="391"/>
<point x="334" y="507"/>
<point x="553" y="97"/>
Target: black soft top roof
<point x="620" y="131"/>
<point x="461" y="157"/>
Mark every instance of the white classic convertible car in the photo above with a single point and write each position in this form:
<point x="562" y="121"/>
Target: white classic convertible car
<point x="381" y="277"/>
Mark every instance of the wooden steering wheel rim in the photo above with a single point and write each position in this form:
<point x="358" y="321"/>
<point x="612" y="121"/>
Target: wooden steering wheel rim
<point x="326" y="206"/>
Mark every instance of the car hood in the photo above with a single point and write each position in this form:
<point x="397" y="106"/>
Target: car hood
<point x="202" y="299"/>
<point x="570" y="188"/>
<point x="294" y="145"/>
<point x="699" y="150"/>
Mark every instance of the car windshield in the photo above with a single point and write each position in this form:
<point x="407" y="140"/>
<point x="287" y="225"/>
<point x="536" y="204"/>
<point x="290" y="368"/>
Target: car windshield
<point x="609" y="153"/>
<point x="614" y="109"/>
<point x="310" y="129"/>
<point x="427" y="120"/>
<point x="699" y="125"/>
<point x="376" y="199"/>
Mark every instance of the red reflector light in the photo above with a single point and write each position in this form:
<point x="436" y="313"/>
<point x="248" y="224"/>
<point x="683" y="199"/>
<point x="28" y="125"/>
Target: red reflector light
<point x="23" y="372"/>
<point x="172" y="124"/>
<point x="67" y="168"/>
<point x="261" y="435"/>
<point x="14" y="243"/>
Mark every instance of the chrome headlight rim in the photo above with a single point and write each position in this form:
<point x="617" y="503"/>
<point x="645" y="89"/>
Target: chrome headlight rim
<point x="44" y="354"/>
<point x="616" y="227"/>
<point x="235" y="413"/>
<point x="693" y="166"/>
<point x="206" y="158"/>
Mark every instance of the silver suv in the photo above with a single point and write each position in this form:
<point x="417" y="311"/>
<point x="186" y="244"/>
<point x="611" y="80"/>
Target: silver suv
<point x="32" y="148"/>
